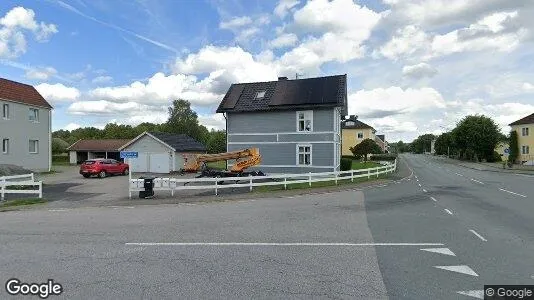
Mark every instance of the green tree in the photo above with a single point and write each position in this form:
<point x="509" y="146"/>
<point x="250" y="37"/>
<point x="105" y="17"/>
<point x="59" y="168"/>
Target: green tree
<point x="365" y="147"/>
<point x="147" y="126"/>
<point x="400" y="147"/>
<point x="476" y="137"/>
<point x="216" y="142"/>
<point x="444" y="144"/>
<point x="59" y="146"/>
<point x="423" y="143"/>
<point x="116" y="131"/>
<point x="514" y="147"/>
<point x="182" y="119"/>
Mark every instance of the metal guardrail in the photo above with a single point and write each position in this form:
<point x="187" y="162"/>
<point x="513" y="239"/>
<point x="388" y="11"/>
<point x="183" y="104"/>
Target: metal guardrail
<point x="19" y="180"/>
<point x="175" y="184"/>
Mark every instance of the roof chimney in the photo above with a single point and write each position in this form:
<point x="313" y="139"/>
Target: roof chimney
<point x="353" y="117"/>
<point x="282" y="78"/>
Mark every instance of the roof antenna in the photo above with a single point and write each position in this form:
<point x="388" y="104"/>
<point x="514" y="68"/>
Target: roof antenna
<point x="297" y="75"/>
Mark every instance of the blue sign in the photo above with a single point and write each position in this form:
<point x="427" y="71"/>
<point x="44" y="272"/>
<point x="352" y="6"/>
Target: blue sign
<point x="129" y="154"/>
<point x="507" y="150"/>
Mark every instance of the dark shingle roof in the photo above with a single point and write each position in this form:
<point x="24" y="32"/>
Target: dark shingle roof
<point x="98" y="145"/>
<point x="180" y="142"/>
<point x="357" y="124"/>
<point x="20" y="92"/>
<point x="526" y="120"/>
<point x="382" y="137"/>
<point x="330" y="91"/>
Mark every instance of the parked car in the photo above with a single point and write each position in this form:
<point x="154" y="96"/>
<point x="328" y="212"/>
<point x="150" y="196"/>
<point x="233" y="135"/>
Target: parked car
<point x="103" y="168"/>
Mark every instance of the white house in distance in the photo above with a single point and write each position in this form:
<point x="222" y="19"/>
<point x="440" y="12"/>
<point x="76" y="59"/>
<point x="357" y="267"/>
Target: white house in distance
<point x="25" y="127"/>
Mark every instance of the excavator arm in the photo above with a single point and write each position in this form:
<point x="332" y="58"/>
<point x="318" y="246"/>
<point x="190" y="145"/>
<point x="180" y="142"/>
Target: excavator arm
<point x="245" y="158"/>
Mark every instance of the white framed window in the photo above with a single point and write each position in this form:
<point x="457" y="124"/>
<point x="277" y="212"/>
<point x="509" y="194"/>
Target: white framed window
<point x="360" y="135"/>
<point x="34" y="146"/>
<point x="5" y="146"/>
<point x="33" y="115"/>
<point x="5" y="111"/>
<point x="260" y="94"/>
<point x="524" y="131"/>
<point x="305" y="121"/>
<point x="525" y="150"/>
<point x="304" y="155"/>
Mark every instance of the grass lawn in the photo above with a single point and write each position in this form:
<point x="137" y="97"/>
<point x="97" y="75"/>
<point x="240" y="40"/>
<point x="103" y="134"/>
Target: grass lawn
<point x="357" y="165"/>
<point x="219" y="165"/>
<point x="60" y="163"/>
<point x="305" y="185"/>
<point x="22" y="202"/>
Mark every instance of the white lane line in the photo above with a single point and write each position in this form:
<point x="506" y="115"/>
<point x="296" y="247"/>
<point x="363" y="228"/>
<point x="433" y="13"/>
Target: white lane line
<point x="419" y="184"/>
<point x="477" y="181"/>
<point x="448" y="211"/>
<point x="513" y="193"/>
<point x="464" y="269"/>
<point x="445" y="251"/>
<point x="433" y="199"/>
<point x="479" y="294"/>
<point x="478" y="235"/>
<point x="424" y="190"/>
<point x="524" y="175"/>
<point x="459" y="174"/>
<point x="61" y="209"/>
<point x="284" y="244"/>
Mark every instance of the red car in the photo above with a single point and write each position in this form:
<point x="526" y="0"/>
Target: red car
<point x="103" y="167"/>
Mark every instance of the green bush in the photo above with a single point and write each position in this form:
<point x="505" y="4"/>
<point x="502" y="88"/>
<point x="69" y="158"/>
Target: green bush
<point x="495" y="158"/>
<point x="60" y="158"/>
<point x="382" y="157"/>
<point x="346" y="164"/>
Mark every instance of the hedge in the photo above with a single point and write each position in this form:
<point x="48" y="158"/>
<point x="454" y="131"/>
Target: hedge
<point x="381" y="157"/>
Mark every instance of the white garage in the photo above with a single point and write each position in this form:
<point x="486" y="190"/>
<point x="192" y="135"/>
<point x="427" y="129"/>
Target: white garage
<point x="161" y="152"/>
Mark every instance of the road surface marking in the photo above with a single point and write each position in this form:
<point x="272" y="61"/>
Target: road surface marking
<point x="479" y="294"/>
<point x="459" y="174"/>
<point x="61" y="209"/>
<point x="433" y="199"/>
<point x="460" y="269"/>
<point x="513" y="193"/>
<point x="524" y="175"/>
<point x="478" y="235"/>
<point x="424" y="190"/>
<point x="448" y="211"/>
<point x="284" y="244"/>
<point x="477" y="181"/>
<point x="445" y="251"/>
<point x="419" y="184"/>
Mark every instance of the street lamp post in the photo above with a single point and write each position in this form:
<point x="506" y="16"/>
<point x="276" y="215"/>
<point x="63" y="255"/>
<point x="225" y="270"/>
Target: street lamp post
<point x="448" y="151"/>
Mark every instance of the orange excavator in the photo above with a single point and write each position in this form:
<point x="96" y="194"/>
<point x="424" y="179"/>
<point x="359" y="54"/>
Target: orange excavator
<point x="244" y="159"/>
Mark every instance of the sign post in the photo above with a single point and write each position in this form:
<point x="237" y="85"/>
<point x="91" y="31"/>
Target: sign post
<point x="128" y="155"/>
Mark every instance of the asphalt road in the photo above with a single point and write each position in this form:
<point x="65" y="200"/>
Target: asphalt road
<point x="476" y="228"/>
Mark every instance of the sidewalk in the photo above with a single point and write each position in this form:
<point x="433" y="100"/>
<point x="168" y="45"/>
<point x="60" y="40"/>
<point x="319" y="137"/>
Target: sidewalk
<point x="490" y="167"/>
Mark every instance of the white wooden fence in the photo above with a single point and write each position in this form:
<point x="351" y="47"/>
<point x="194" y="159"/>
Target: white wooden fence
<point x="20" y="180"/>
<point x="175" y="184"/>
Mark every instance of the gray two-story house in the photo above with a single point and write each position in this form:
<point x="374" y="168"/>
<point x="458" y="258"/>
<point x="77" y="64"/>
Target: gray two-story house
<point x="294" y="123"/>
<point x="25" y="127"/>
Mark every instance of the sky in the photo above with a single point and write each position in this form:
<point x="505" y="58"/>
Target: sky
<point x="413" y="66"/>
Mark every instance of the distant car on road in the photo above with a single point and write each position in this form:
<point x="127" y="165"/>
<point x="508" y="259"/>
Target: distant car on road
<point x="103" y="168"/>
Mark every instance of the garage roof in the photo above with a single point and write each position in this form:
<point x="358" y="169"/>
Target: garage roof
<point x="177" y="142"/>
<point x="98" y="145"/>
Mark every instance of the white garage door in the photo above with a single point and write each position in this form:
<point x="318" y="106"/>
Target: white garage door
<point x="139" y="164"/>
<point x="159" y="163"/>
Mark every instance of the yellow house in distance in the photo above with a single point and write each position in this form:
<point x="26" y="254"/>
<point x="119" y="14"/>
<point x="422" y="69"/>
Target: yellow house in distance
<point x="353" y="132"/>
<point x="525" y="139"/>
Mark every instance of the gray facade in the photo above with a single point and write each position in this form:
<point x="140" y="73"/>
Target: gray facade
<point x="19" y="130"/>
<point x="276" y="134"/>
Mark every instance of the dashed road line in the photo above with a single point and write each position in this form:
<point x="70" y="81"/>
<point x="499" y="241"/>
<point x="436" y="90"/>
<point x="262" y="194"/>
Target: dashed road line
<point x="448" y="211"/>
<point x="445" y="251"/>
<point x="424" y="191"/>
<point x="459" y="174"/>
<point x="479" y="294"/>
<point x="60" y="209"/>
<point x="419" y="184"/>
<point x="513" y="193"/>
<point x="464" y="269"/>
<point x="478" y="235"/>
<point x="433" y="199"/>
<point x="472" y="179"/>
<point x="283" y="244"/>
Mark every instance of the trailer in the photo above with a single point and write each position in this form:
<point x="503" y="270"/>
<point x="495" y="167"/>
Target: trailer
<point x="245" y="158"/>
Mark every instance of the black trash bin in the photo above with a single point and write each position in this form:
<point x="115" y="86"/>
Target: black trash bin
<point x="148" y="184"/>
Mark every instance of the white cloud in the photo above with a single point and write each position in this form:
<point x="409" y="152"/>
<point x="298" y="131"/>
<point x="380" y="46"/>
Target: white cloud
<point x="236" y="23"/>
<point x="407" y="42"/>
<point x="41" y="73"/>
<point x="72" y="126"/>
<point x="419" y="71"/>
<point x="214" y="121"/>
<point x="103" y="107"/>
<point x="529" y="87"/>
<point x="393" y="125"/>
<point x="384" y="102"/>
<point x="102" y="79"/>
<point x="284" y="40"/>
<point x="13" y="27"/>
<point x="284" y="7"/>
<point x="58" y="92"/>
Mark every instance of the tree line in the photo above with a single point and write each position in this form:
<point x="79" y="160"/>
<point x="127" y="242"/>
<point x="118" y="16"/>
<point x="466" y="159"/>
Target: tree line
<point x="182" y="120"/>
<point x="474" y="137"/>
